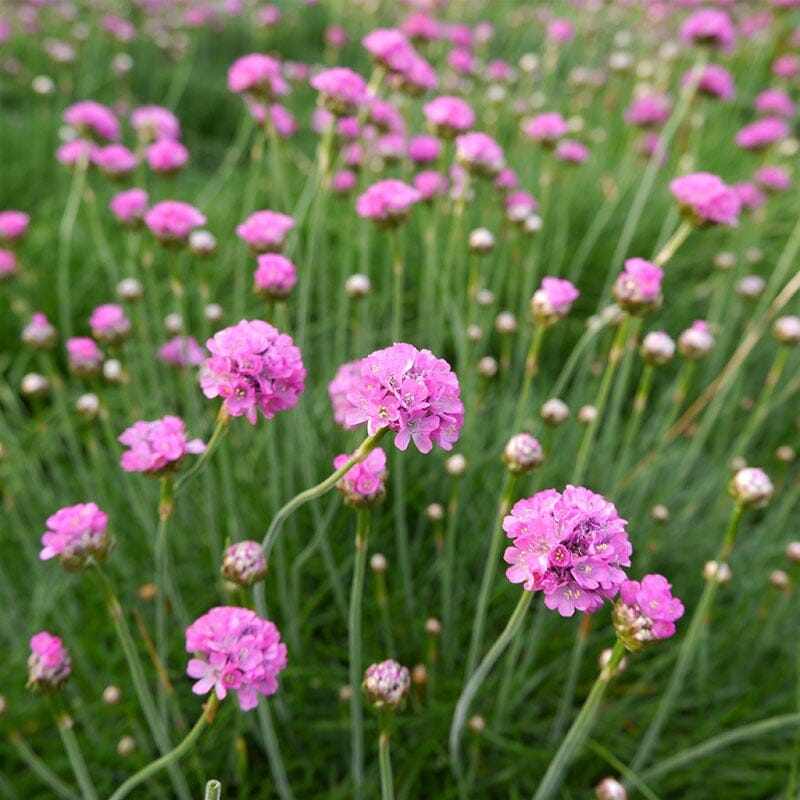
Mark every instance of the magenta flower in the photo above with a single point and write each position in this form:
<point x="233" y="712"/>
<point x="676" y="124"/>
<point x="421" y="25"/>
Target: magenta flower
<point x="751" y="488"/>
<point x="390" y="48"/>
<point x="546" y="128"/>
<point x="709" y="26"/>
<point x="259" y="75"/>
<point x="363" y="484"/>
<point x="762" y="133"/>
<point x="705" y="199"/>
<point x="83" y="356"/>
<point x="775" y="101"/>
<point x="253" y="367"/>
<point x="342" y="91"/>
<point x="553" y="300"/>
<point x="499" y="71"/>
<point x="78" y="151"/>
<point x="649" y="110"/>
<point x="347" y="378"/>
<point x="275" y="276"/>
<point x="129" y="207"/>
<point x="386" y="685"/>
<point x="265" y="231"/>
<point x="171" y="221"/>
<point x="13" y="225"/>
<point x="424" y="149"/>
<point x="154" y="123"/>
<point x="714" y="81"/>
<point x="773" y="179"/>
<point x="182" y="351"/>
<point x="49" y="664"/>
<point x="166" y="156"/>
<point x="157" y="447"/>
<point x="571" y="546"/>
<point x="244" y="564"/>
<point x="560" y="31"/>
<point x="520" y="205"/>
<point x="335" y="36"/>
<point x="480" y="154"/>
<point x="77" y="535"/>
<point x="749" y="194"/>
<point x="449" y="116"/>
<point x="109" y="323"/>
<point x="235" y="650"/>
<point x="697" y="341"/>
<point x="646" y="612"/>
<point x="93" y="120"/>
<point x="462" y="60"/>
<point x="344" y="181"/>
<point x="385" y="116"/>
<point x="638" y="286"/>
<point x="114" y="160"/>
<point x="430" y="184"/>
<point x="787" y="66"/>
<point x="572" y="152"/>
<point x="411" y="392"/>
<point x="39" y="333"/>
<point x="387" y="203"/>
<point x="8" y="264"/>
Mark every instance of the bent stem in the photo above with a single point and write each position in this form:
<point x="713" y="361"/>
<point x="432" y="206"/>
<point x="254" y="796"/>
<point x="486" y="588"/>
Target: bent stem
<point x="675" y="241"/>
<point x="221" y="429"/>
<point x="478" y="677"/>
<point x="206" y="718"/>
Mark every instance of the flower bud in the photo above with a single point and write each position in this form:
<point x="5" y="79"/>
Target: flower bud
<point x="202" y="243"/>
<point x="126" y="746"/>
<point x="173" y="323"/>
<point x="358" y="286"/>
<point x="112" y="695"/>
<point x="659" y="513"/>
<point x="505" y="323"/>
<point x="696" y="342"/>
<point x="213" y="312"/>
<point x="555" y="411"/>
<point x="432" y="626"/>
<point x="435" y="512"/>
<point x="481" y="241"/>
<point x="39" y="333"/>
<point x="750" y="287"/>
<point x="88" y="405"/>
<point x="719" y="572"/>
<point x="587" y="414"/>
<point x="49" y="664"/>
<point x="34" y="385"/>
<point x="787" y="330"/>
<point x="474" y="333"/>
<point x="112" y="371"/>
<point x="484" y="297"/>
<point x="786" y="454"/>
<point x="725" y="260"/>
<point x="522" y="454"/>
<point x="793" y="552"/>
<point x="751" y="488"/>
<point x="456" y="465"/>
<point x="378" y="563"/>
<point x="610" y="789"/>
<point x="129" y="290"/>
<point x="487" y="367"/>
<point x="646" y="612"/>
<point x="658" y="348"/>
<point x="419" y="675"/>
<point x="243" y="563"/>
<point x="386" y="685"/>
<point x="779" y="579"/>
<point x="477" y="724"/>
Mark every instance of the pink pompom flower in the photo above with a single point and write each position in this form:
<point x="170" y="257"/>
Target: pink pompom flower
<point x="638" y="287"/>
<point x="347" y="378"/>
<point x="253" y="367"/>
<point x="77" y="535"/>
<point x="430" y="184"/>
<point x="362" y="486"/>
<point x="129" y="207"/>
<point x="775" y="101"/>
<point x="424" y="149"/>
<point x="762" y="133"/>
<point x="448" y="116"/>
<point x="39" y="333"/>
<point x="275" y="276"/>
<point x="265" y="231"/>
<point x="8" y="264"/>
<point x="244" y="564"/>
<point x="571" y="546"/>
<point x="75" y="153"/>
<point x="154" y="123"/>
<point x="750" y="195"/>
<point x="387" y="203"/>
<point x="773" y="179"/>
<point x="171" y="221"/>
<point x="709" y="26"/>
<point x="49" y="664"/>
<point x="705" y="200"/>
<point x="546" y="128"/>
<point x="713" y="81"/>
<point x="258" y="75"/>
<point x="114" y="160"/>
<point x="166" y="156"/>
<point x="386" y="685"/>
<point x="182" y="351"/>
<point x="342" y="91"/>
<point x="93" y="120"/>
<point x="553" y="300"/>
<point x="649" y="110"/>
<point x="109" y="323"/>
<point x="412" y="393"/>
<point x="83" y="356"/>
<point x="157" y="447"/>
<point x="646" y="612"/>
<point x="479" y="154"/>
<point x="560" y="31"/>
<point x="235" y="650"/>
<point x="571" y="151"/>
<point x="13" y="226"/>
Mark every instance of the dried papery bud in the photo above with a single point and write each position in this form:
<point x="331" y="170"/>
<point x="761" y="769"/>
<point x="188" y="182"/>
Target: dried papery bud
<point x="787" y="330"/>
<point x="43" y="85"/>
<point x="645" y="612"/>
<point x="522" y="454"/>
<point x="147" y="592"/>
<point x="610" y="789"/>
<point x="659" y="513"/>
<point x="112" y="695"/>
<point x="696" y="342"/>
<point x="126" y="746"/>
<point x="751" y="488"/>
<point x="121" y="64"/>
<point x="202" y="243"/>
<point x="474" y="333"/>
<point x="751" y="287"/>
<point x="433" y="627"/>
<point x="456" y="465"/>
<point x="719" y="572"/>
<point x="419" y="675"/>
<point x="612" y="316"/>
<point x="638" y="286"/>
<point x="386" y="685"/>
<point x="113" y="372"/>
<point x="555" y="411"/>
<point x="780" y="579"/>
<point x="34" y="385"/>
<point x="505" y="323"/>
<point x="435" y="512"/>
<point x="378" y="563"/>
<point x="481" y="241"/>
<point x="484" y="297"/>
<point x="88" y="405"/>
<point x="552" y="301"/>
<point x="173" y="324"/>
<point x="786" y="454"/>
<point x="477" y="724"/>
<point x="244" y="564"/>
<point x="213" y="312"/>
<point x="358" y="286"/>
<point x="487" y="367"/>
<point x="604" y="659"/>
<point x="587" y="414"/>
<point x="793" y="552"/>
<point x="129" y="290"/>
<point x="658" y="348"/>
<point x="725" y="261"/>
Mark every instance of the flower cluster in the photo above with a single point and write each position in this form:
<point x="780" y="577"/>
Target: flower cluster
<point x="342" y="91"/>
<point x="258" y="75"/>
<point x="706" y="200"/>
<point x="553" y="300"/>
<point x="386" y="685"/>
<point x="49" y="664"/>
<point x="362" y="486"/>
<point x="253" y="367"/>
<point x="646" y="611"/>
<point x="171" y="221"/>
<point x="157" y="447"/>
<point x="449" y="116"/>
<point x="182" y="351"/>
<point x="387" y="203"/>
<point x="479" y="154"/>
<point x="265" y="231"/>
<point x="275" y="276"/>
<point x="411" y="392"/>
<point x="77" y="535"/>
<point x="345" y="381"/>
<point x="638" y="286"/>
<point x="129" y="207"/>
<point x="244" y="563"/>
<point x="571" y="546"/>
<point x="109" y="323"/>
<point x="235" y="650"/>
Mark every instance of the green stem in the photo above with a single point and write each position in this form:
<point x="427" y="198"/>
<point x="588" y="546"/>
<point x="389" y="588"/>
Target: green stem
<point x="385" y="761"/>
<point x="571" y="683"/>
<point x="531" y="368"/>
<point x="165" y="508"/>
<point x="574" y="357"/>
<point x="478" y="677"/>
<point x="213" y="442"/>
<point x="580" y="729"/>
<point x="397" y="300"/>
<point x="675" y="241"/>
<point x="73" y="749"/>
<point x="635" y="421"/>
<point x="40" y="769"/>
<point x="170" y="758"/>
<point x="273" y="752"/>
<point x="280" y="196"/>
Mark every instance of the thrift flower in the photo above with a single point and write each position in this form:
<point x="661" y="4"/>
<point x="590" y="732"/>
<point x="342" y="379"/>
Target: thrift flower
<point x="345" y="381"/>
<point x="572" y="151"/>
<point x="553" y="300"/>
<point x="775" y="101"/>
<point x="77" y="535"/>
<point x="157" y="447"/>
<point x="448" y="116"/>
<point x="646" y="612"/>
<point x="387" y="203"/>
<point x="762" y="133"/>
<point x="114" y="160"/>
<point x="129" y="207"/>
<point x="275" y="276"/>
<point x="39" y="333"/>
<point x="154" y="124"/>
<point x="109" y="323"/>
<point x="182" y="351"/>
<point x="705" y="200"/>
<point x="638" y="286"/>
<point x="386" y="685"/>
<point x="773" y="179"/>
<point x="171" y="221"/>
<point x="83" y="356"/>
<point x="751" y="488"/>
<point x="709" y="26"/>
<point x="696" y="342"/>
<point x="362" y="486"/>
<point x="93" y="120"/>
<point x="258" y="75"/>
<point x="265" y="231"/>
<point x="8" y="264"/>
<point x="713" y="81"/>
<point x="49" y="664"/>
<point x="13" y="225"/>
<point x="547" y="128"/>
<point x="235" y="650"/>
<point x="166" y="157"/>
<point x="244" y="564"/>
<point x="658" y="348"/>
<point x="479" y="154"/>
<point x="342" y="91"/>
<point x="522" y="454"/>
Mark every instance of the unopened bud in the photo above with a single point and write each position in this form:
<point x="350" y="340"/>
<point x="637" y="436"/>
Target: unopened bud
<point x="751" y="287"/>
<point x="88" y="405"/>
<point x="202" y="243"/>
<point x="659" y="513"/>
<point x="522" y="454"/>
<point x="477" y="724"/>
<point x="484" y="297"/>
<point x="173" y="323"/>
<point x="481" y="241"/>
<point x="34" y="385"/>
<point x="719" y="572"/>
<point x="358" y="286"/>
<point x="129" y="290"/>
<point x="780" y="579"/>
<point x="244" y="563"/>
<point x="435" y="512"/>
<point x="793" y="552"/>
<point x="112" y="695"/>
<point x="725" y="260"/>
<point x="787" y="330"/>
<point x="378" y="563"/>
<point x="213" y="312"/>
<point x="587" y="414"/>
<point x="126" y="746"/>
<point x="456" y="465"/>
<point x="610" y="789"/>
<point x="751" y="488"/>
<point x="112" y="370"/>
<point x="786" y="454"/>
<point x="474" y="333"/>
<point x="555" y="411"/>
<point x="487" y="367"/>
<point x="658" y="348"/>
<point x="432" y="626"/>
<point x="505" y="323"/>
<point x="419" y="675"/>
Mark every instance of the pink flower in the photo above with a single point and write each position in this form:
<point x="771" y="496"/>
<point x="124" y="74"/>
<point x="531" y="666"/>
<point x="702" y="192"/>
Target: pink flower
<point x="697" y="341"/>
<point x="39" y="332"/>
<point x="571" y="151"/>
<point x="156" y="448"/>
<point x="259" y="75"/>
<point x="480" y="154"/>
<point x="182" y="351"/>
<point x="167" y="156"/>
<point x="78" y="151"/>
<point x="171" y="221"/>
<point x="235" y="650"/>
<point x="390" y="47"/>
<point x="787" y="66"/>
<point x="773" y="179"/>
<point x="253" y="367"/>
<point x="449" y="116"/>
<point x="430" y="184"/>
<point x="335" y="36"/>
<point x="424" y="149"/>
<point x="553" y="300"/>
<point x="751" y="488"/>
<point x="386" y="685"/>
<point x="638" y="286"/>
<point x="709" y="26"/>
<point x="268" y="15"/>
<point x="560" y="31"/>
<point x="93" y="120"/>
<point x="343" y="91"/>
<point x="243" y="563"/>
<point x="387" y="203"/>
<point x="154" y="123"/>
<point x="520" y="205"/>
<point x="129" y="207"/>
<point x="706" y="200"/>
<point x="646" y="611"/>
<point x="411" y="392"/>
<point x="345" y="381"/>
<point x="750" y="195"/>
<point x="421" y="25"/>
<point x="649" y="110"/>
<point x="363" y="484"/>
<point x="762" y="133"/>
<point x="109" y="323"/>
<point x="77" y="535"/>
<point x="265" y="231"/>
<point x="506" y="179"/>
<point x="49" y="664"/>
<point x="546" y="128"/>
<point x="386" y="117"/>
<point x="344" y="181"/>
<point x="114" y="160"/>
<point x="500" y="71"/>
<point x="391" y="147"/>
<point x="275" y="276"/>
<point x="83" y="355"/>
<point x="8" y="264"/>
<point x="462" y="60"/>
<point x="13" y="225"/>
<point x="775" y="101"/>
<point x="714" y="81"/>
<point x="571" y="546"/>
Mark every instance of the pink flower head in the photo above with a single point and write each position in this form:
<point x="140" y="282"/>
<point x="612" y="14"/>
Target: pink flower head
<point x="129" y="207"/>
<point x="709" y="26"/>
<point x="344" y="181"/>
<point x="697" y="341"/>
<point x="171" y="221"/>
<point x="391" y="147"/>
<point x="156" y="448"/>
<point x="387" y="203"/>
<point x="775" y="101"/>
<point x="93" y="120"/>
<point x="363" y="484"/>
<point x="572" y="151"/>
<point x="649" y="110"/>
<point x="389" y="47"/>
<point x="569" y="545"/>
<point x="346" y="380"/>
<point x="638" y="286"/>
<point x="114" y="160"/>
<point x="713" y="81"/>
<point x="182" y="351"/>
<point x="506" y="179"/>
<point x="418" y="76"/>
<point x="560" y="31"/>
<point x="449" y="116"/>
<point x="787" y="66"/>
<point x="705" y="199"/>
<point x="773" y="179"/>
<point x="386" y="685"/>
<point x="243" y="563"/>
<point x="77" y="535"/>
<point x="13" y="225"/>
<point x="78" y="151"/>
<point x="49" y="664"/>
<point x="235" y="650"/>
<point x="519" y="206"/>
<point x="500" y="71"/>
<point x="275" y="276"/>
<point x="253" y="367"/>
<point x="335" y="36"/>
<point x="462" y="60"/>
<point x="762" y="133"/>
<point x="646" y="611"/>
<point x="109" y="323"/>
<point x="750" y="195"/>
<point x="546" y="128"/>
<point x="84" y="356"/>
<point x="342" y="91"/>
<point x="166" y="156"/>
<point x="8" y="264"/>
<point x="430" y="184"/>
<point x="258" y="75"/>
<point x="424" y="149"/>
<point x="265" y="231"/>
<point x="39" y="333"/>
<point x="421" y="26"/>
<point x="553" y="300"/>
<point x="479" y="154"/>
<point x="386" y="117"/>
<point x="751" y="488"/>
<point x="154" y="123"/>
<point x="268" y="15"/>
<point x="411" y="392"/>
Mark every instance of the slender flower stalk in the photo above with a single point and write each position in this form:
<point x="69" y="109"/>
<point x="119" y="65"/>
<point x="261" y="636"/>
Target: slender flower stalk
<point x="165" y="508"/>
<point x="674" y="242"/>
<point x="531" y="368"/>
<point x="280" y="194"/>
<point x="73" y="749"/>
<point x="40" y="769"/>
<point x="384" y="758"/>
<point x="635" y="421"/>
<point x="223" y="418"/>
<point x="397" y="296"/>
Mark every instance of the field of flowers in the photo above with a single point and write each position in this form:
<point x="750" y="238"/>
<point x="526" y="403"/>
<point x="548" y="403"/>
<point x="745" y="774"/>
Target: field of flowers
<point x="400" y="399"/>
